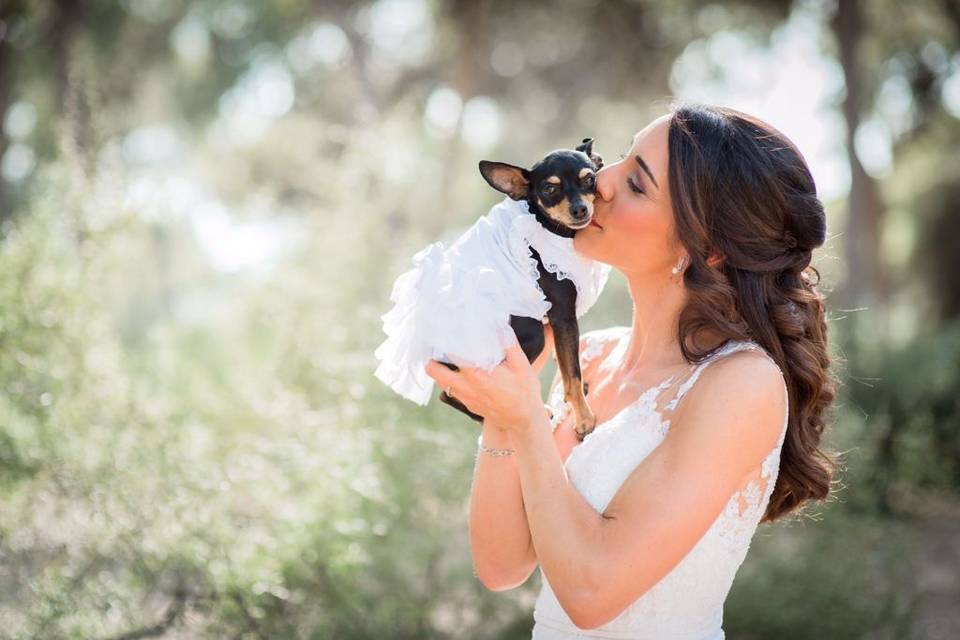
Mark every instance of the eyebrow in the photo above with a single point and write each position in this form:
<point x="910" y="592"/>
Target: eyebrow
<point x="643" y="165"/>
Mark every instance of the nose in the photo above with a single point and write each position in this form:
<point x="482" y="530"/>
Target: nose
<point x="605" y="183"/>
<point x="579" y="211"/>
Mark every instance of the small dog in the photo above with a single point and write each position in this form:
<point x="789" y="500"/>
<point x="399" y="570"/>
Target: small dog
<point x="559" y="190"/>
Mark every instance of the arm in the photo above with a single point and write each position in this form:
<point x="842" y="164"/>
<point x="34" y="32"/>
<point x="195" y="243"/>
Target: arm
<point x="597" y="564"/>
<point x="503" y="556"/>
<point x="500" y="542"/>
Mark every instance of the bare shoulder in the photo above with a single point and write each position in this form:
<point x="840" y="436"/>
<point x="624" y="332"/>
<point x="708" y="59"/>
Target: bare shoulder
<point x="745" y="364"/>
<point x="741" y="394"/>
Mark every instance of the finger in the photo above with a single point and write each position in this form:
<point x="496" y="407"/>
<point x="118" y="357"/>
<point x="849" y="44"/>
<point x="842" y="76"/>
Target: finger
<point x="548" y="342"/>
<point x="516" y="359"/>
<point x="545" y="354"/>
<point x="463" y="367"/>
<point x="513" y="349"/>
<point x="441" y="375"/>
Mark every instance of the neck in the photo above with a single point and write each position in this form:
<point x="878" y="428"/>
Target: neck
<point x="654" y="343"/>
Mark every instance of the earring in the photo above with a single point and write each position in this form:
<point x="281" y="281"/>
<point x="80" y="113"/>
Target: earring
<point x="677" y="268"/>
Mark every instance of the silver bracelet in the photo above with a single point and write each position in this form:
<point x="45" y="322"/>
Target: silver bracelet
<point x="493" y="452"/>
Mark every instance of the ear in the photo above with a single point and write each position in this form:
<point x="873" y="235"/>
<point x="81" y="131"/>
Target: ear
<point x="587" y="147"/>
<point x="506" y="178"/>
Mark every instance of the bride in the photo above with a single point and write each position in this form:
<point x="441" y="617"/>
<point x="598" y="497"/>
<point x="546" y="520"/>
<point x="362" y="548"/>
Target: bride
<point x="639" y="530"/>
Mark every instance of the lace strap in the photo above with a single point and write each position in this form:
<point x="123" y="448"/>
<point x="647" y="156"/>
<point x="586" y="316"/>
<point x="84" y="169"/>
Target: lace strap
<point x="730" y="347"/>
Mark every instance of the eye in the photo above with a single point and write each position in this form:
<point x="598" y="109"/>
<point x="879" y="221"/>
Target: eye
<point x="589" y="180"/>
<point x="634" y="186"/>
<point x="549" y="189"/>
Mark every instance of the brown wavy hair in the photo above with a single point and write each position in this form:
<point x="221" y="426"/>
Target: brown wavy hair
<point x="742" y="191"/>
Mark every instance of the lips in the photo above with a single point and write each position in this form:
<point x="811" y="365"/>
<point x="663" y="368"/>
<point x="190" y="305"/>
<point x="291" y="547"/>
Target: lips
<point x="593" y="223"/>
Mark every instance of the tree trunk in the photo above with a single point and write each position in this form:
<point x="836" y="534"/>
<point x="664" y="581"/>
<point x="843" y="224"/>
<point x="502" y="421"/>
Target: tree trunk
<point x="71" y="91"/>
<point x="468" y="19"/>
<point x="7" y="11"/>
<point x="865" y="283"/>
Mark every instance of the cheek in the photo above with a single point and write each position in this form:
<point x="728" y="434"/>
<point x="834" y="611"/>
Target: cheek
<point x="644" y="231"/>
<point x="637" y="241"/>
<point x="630" y="239"/>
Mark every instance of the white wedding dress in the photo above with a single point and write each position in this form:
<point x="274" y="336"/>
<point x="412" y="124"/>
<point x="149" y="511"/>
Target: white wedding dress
<point x="687" y="603"/>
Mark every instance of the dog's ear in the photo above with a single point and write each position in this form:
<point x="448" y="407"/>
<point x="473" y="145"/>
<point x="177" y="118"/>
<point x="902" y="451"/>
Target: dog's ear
<point x="587" y="147"/>
<point x="506" y="178"/>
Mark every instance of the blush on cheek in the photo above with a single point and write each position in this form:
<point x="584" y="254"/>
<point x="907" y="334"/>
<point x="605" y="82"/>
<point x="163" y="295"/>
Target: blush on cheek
<point x="646" y="232"/>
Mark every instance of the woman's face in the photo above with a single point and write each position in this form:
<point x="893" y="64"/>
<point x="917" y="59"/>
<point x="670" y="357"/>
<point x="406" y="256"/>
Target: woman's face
<point x="634" y="210"/>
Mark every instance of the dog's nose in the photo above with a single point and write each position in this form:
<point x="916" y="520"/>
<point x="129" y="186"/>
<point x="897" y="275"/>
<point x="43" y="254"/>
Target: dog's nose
<point x="579" y="211"/>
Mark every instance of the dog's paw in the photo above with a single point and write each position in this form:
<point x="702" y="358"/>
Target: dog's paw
<point x="585" y="427"/>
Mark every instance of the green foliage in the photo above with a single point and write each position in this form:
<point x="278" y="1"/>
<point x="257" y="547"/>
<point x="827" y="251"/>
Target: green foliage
<point x="910" y="429"/>
<point x="242" y="472"/>
<point x="190" y="449"/>
<point x="840" y="577"/>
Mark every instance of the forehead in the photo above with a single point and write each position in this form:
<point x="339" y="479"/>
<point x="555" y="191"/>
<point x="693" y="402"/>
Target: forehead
<point x="561" y="163"/>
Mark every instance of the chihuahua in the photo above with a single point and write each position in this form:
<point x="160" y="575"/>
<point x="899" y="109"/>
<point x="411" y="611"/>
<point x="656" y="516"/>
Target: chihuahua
<point x="559" y="191"/>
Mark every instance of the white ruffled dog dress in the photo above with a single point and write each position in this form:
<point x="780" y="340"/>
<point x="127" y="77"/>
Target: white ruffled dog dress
<point x="456" y="302"/>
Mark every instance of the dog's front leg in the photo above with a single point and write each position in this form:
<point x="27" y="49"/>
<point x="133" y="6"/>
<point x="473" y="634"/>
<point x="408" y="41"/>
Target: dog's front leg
<point x="566" y="340"/>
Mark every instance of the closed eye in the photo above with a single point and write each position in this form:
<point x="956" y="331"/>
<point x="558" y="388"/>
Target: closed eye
<point x="633" y="185"/>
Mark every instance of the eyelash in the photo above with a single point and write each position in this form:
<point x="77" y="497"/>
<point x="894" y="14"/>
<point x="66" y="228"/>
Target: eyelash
<point x="633" y="186"/>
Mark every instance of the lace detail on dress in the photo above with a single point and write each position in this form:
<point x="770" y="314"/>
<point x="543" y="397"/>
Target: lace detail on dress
<point x="687" y="603"/>
<point x="558" y="257"/>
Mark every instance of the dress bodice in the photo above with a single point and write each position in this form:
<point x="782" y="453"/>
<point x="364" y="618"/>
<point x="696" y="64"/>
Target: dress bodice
<point x="687" y="603"/>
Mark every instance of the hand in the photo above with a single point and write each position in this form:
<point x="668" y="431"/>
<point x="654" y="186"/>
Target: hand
<point x="508" y="397"/>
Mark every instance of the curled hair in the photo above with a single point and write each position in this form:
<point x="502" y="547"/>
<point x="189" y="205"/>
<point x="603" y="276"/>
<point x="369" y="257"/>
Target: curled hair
<point x="742" y="192"/>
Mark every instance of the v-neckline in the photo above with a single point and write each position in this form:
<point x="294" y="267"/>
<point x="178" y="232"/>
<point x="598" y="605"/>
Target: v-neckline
<point x="660" y="385"/>
<point x="586" y="446"/>
<point x="643" y="396"/>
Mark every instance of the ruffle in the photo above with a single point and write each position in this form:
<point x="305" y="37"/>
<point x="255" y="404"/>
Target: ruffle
<point x="455" y="303"/>
<point x="559" y="258"/>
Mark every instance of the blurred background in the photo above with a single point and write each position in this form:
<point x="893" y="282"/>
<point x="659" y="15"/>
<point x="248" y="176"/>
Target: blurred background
<point x="203" y="207"/>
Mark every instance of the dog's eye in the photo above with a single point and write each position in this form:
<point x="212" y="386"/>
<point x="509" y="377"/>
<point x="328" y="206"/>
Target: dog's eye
<point x="589" y="180"/>
<point x="549" y="189"/>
